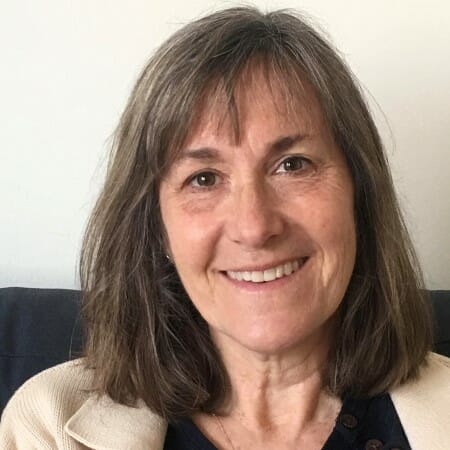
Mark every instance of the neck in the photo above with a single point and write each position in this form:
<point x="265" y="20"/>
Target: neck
<point x="273" y="391"/>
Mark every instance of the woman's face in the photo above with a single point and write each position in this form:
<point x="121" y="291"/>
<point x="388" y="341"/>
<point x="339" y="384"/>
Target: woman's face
<point x="276" y="206"/>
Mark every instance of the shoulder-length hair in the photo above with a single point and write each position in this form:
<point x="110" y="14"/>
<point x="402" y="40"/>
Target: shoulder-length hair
<point x="145" y="339"/>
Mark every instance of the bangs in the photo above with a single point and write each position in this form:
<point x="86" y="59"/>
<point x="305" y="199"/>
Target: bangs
<point x="222" y="97"/>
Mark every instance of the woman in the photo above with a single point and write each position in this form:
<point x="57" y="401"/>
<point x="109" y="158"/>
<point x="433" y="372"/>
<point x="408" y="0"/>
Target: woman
<point x="248" y="279"/>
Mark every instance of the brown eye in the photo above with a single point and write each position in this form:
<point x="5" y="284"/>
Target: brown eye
<point x="292" y="164"/>
<point x="204" y="179"/>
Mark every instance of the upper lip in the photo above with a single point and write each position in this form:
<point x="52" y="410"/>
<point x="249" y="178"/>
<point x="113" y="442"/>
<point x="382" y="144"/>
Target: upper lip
<point x="262" y="267"/>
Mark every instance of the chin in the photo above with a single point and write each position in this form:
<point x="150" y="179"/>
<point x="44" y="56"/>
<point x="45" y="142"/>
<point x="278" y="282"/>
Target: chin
<point x="272" y="341"/>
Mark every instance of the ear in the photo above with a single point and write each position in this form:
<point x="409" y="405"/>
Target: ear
<point x="166" y="244"/>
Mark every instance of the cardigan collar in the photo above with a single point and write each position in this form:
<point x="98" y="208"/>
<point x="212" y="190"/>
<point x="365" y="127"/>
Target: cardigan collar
<point x="102" y="424"/>
<point x="421" y="404"/>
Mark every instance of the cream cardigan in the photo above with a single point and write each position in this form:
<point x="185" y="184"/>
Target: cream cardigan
<point x="53" y="410"/>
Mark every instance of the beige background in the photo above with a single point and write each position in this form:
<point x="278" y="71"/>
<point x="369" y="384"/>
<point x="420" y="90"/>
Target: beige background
<point x="68" y="66"/>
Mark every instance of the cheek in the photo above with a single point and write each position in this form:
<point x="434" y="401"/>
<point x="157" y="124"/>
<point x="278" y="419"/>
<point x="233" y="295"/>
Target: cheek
<point x="326" y="215"/>
<point x="340" y="254"/>
<point x="191" y="239"/>
<point x="184" y="231"/>
<point x="337" y="239"/>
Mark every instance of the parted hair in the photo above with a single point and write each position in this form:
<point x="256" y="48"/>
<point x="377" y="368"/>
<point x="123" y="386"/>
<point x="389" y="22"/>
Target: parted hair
<point x="145" y="339"/>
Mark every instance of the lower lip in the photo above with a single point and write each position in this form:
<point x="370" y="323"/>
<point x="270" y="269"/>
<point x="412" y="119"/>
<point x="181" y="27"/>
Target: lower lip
<point x="266" y="285"/>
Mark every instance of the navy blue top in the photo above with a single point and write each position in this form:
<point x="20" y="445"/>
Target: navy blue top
<point x="371" y="424"/>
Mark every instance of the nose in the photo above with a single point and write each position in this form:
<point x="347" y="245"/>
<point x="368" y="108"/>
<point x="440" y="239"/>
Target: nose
<point x="254" y="216"/>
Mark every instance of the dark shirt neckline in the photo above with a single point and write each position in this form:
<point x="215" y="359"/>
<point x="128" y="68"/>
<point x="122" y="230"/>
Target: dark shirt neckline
<point x="362" y="424"/>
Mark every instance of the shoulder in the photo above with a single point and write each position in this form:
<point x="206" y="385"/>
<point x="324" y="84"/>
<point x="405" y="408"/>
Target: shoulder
<point x="66" y="384"/>
<point x="441" y="360"/>
<point x="433" y="380"/>
<point x="58" y="409"/>
<point x="422" y="404"/>
<point x="42" y="405"/>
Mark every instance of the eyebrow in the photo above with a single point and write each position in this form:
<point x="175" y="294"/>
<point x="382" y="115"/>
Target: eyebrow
<point x="211" y="154"/>
<point x="286" y="142"/>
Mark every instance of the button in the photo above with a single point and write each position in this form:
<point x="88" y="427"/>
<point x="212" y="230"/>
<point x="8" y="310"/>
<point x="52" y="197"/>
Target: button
<point x="373" y="444"/>
<point x="348" y="420"/>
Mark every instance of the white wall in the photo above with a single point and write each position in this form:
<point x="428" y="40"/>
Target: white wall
<point x="66" y="70"/>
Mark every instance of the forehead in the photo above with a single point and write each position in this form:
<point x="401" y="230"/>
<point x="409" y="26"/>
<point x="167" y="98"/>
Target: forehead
<point x="263" y="99"/>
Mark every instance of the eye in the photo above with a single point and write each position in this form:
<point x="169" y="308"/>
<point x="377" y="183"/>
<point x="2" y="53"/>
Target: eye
<point x="203" y="179"/>
<point x="293" y="163"/>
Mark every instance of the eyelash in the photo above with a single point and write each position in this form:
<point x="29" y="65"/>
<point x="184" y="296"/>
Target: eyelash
<point x="197" y="175"/>
<point x="304" y="161"/>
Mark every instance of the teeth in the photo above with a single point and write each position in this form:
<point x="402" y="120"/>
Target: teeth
<point x="268" y="274"/>
<point x="288" y="268"/>
<point x="238" y="276"/>
<point x="247" y="276"/>
<point x="279" y="271"/>
<point x="257" y="277"/>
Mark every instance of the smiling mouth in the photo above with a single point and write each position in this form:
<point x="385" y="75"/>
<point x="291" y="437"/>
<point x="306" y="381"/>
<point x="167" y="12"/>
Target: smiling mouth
<point x="271" y="274"/>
